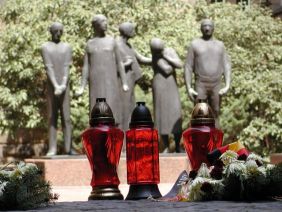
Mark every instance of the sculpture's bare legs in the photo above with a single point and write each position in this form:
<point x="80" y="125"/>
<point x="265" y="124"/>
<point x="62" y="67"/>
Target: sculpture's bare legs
<point x="210" y="91"/>
<point x="56" y="103"/>
<point x="214" y="102"/>
<point x="52" y="121"/>
<point x="66" y="121"/>
<point x="166" y="143"/>
<point x="201" y="90"/>
<point x="177" y="138"/>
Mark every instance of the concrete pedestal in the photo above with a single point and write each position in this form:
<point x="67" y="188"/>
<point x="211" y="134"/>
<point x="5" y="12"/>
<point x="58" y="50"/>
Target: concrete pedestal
<point x="75" y="170"/>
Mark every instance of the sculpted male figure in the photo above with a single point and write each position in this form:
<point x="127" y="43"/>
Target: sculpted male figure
<point x="57" y="57"/>
<point x="208" y="60"/>
<point x="130" y="58"/>
<point x="102" y="65"/>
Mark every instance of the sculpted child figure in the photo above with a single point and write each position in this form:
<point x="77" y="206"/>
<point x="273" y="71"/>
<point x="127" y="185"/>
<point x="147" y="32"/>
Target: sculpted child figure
<point x="166" y="98"/>
<point x="57" y="58"/>
<point x="131" y="59"/>
<point x="208" y="60"/>
<point x="102" y="65"/>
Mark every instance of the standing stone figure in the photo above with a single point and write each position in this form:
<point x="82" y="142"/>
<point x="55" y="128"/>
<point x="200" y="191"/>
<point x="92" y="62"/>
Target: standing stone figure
<point x="130" y="60"/>
<point x="167" y="105"/>
<point x="102" y="65"/>
<point x="57" y="58"/>
<point x="208" y="60"/>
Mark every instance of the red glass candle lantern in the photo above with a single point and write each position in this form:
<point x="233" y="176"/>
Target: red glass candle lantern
<point x="102" y="143"/>
<point x="142" y="155"/>
<point x="201" y="137"/>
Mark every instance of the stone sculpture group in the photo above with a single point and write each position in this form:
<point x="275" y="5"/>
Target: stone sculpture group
<point x="111" y="68"/>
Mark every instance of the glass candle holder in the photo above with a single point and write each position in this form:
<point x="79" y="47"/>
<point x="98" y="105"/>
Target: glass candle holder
<point x="199" y="141"/>
<point x="103" y="143"/>
<point x="142" y="155"/>
<point x="201" y="137"/>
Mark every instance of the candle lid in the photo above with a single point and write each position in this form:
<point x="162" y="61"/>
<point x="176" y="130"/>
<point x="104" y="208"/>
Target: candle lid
<point x="101" y="113"/>
<point x="202" y="115"/>
<point x="141" y="116"/>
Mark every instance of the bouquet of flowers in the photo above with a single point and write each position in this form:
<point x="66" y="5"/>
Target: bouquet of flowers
<point x="22" y="187"/>
<point x="233" y="179"/>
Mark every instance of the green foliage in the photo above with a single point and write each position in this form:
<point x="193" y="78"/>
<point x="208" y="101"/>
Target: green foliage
<point x="24" y="188"/>
<point x="250" y="112"/>
<point x="249" y="180"/>
<point x="274" y="175"/>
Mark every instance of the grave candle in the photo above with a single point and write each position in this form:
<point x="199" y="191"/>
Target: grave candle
<point x="102" y="143"/>
<point x="142" y="155"/>
<point x="202" y="136"/>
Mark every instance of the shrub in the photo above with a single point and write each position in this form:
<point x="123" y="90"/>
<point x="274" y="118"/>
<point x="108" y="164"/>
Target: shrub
<point x="251" y="111"/>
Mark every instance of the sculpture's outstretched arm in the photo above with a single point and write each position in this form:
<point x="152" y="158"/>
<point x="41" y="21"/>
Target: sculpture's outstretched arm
<point x="142" y="59"/>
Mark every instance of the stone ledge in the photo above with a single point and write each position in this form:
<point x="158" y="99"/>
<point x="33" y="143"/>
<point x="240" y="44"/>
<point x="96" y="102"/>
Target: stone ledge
<point x="75" y="170"/>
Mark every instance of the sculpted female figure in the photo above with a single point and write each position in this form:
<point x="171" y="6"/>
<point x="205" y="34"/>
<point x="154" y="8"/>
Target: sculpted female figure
<point x="167" y="105"/>
<point x="131" y="59"/>
<point x="102" y="64"/>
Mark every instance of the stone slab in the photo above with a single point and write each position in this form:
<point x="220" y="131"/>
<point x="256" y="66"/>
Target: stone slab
<point x="75" y="170"/>
<point x="149" y="205"/>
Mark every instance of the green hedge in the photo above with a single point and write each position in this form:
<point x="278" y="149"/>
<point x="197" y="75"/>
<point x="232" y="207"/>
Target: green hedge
<point x="250" y="112"/>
